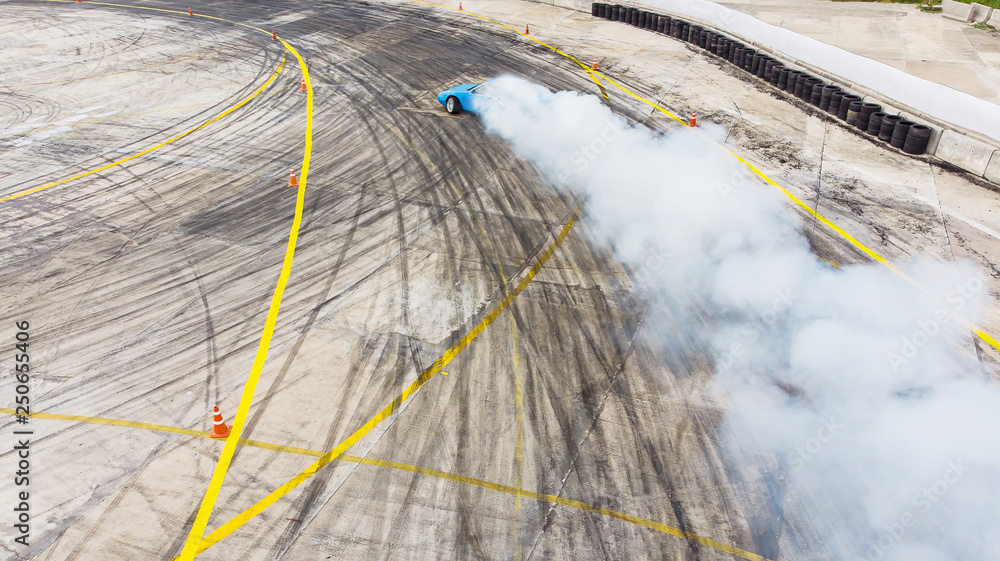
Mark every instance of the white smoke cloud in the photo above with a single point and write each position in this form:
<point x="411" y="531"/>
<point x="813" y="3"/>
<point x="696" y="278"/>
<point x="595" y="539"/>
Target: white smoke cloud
<point x="866" y="390"/>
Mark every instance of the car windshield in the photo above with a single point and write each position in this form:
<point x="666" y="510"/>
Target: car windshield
<point x="484" y="89"/>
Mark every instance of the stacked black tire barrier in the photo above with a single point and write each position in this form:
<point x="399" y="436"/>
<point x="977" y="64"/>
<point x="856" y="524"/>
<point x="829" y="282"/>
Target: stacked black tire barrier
<point x="887" y="126"/>
<point x="826" y="96"/>
<point x="845" y="105"/>
<point x="768" y="68"/>
<point x="807" y="88"/>
<point x="875" y="123"/>
<point x="917" y="138"/>
<point x="800" y="84"/>
<point x="793" y="76"/>
<point x="835" y="100"/>
<point x="776" y="71"/>
<point x="817" y="93"/>
<point x="782" y="83"/>
<point x="869" y="118"/>
<point x="853" y="111"/>
<point x="899" y="133"/>
<point x="865" y="113"/>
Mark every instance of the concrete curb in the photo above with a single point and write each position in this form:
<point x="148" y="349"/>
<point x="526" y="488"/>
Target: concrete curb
<point x="964" y="149"/>
<point x="966" y="13"/>
<point x="994" y="19"/>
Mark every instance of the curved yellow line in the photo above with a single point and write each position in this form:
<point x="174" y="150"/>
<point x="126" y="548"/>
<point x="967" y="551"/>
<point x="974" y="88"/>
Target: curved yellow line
<point x="156" y="147"/>
<point x="194" y="543"/>
<point x="194" y="539"/>
<point x="113" y="73"/>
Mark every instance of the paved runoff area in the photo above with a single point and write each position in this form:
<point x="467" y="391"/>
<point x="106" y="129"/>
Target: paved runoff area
<point x="924" y="44"/>
<point x="476" y="366"/>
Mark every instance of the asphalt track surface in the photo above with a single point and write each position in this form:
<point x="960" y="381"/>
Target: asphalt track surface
<point x="557" y="433"/>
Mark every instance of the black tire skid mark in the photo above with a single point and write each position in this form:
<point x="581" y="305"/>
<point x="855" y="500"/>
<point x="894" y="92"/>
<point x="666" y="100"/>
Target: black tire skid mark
<point x="261" y="404"/>
<point x="468" y="530"/>
<point x="51" y="537"/>
<point x="600" y="306"/>
<point x="31" y="207"/>
<point x="276" y="386"/>
<point x="316" y="488"/>
<point x="392" y="344"/>
<point x="149" y="332"/>
<point x="72" y="279"/>
<point x="480" y="205"/>
<point x="242" y="49"/>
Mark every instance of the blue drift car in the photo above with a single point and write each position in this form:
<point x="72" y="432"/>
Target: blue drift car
<point x="469" y="97"/>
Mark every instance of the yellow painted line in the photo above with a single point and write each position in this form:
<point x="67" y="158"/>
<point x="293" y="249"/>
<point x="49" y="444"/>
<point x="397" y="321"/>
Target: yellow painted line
<point x="652" y="104"/>
<point x="578" y="505"/>
<point x="515" y="491"/>
<point x="600" y="86"/>
<point x="195" y="540"/>
<point x="112" y="422"/>
<point x="112" y="73"/>
<point x="982" y="334"/>
<point x="526" y="35"/>
<point x="161" y="428"/>
<point x="518" y="432"/>
<point x="193" y="543"/>
<point x="152" y="148"/>
<point x="76" y="123"/>
<point x="211" y="494"/>
<point x="242" y="518"/>
<point x="105" y="119"/>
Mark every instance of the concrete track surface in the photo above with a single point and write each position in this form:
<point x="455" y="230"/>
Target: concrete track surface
<point x="147" y="285"/>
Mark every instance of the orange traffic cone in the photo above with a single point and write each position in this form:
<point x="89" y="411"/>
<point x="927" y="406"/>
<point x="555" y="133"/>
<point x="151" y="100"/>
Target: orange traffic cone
<point x="694" y="120"/>
<point x="274" y="36"/>
<point x="303" y="86"/>
<point x="526" y="29"/>
<point x="221" y="429"/>
<point x="292" y="181"/>
<point x="460" y="5"/>
<point x="190" y="13"/>
<point x="594" y="66"/>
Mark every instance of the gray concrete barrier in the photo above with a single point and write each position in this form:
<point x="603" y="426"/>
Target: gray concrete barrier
<point x="981" y="13"/>
<point x="968" y="13"/>
<point x="994" y="19"/>
<point x="967" y="153"/>
<point x="993" y="168"/>
<point x="958" y="11"/>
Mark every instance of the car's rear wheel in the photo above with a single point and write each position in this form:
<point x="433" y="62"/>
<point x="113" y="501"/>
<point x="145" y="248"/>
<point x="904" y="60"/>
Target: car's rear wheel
<point x="453" y="105"/>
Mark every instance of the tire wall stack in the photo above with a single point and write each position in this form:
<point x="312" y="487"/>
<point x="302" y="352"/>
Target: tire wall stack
<point x="870" y="119"/>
